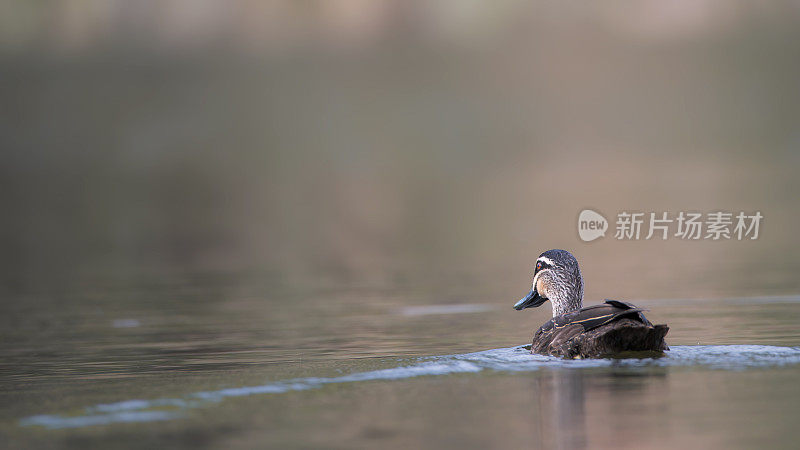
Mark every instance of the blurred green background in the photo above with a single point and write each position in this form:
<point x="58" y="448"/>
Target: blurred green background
<point x="365" y="140"/>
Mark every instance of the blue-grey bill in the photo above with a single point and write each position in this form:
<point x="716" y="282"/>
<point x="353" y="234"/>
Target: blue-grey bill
<point x="533" y="299"/>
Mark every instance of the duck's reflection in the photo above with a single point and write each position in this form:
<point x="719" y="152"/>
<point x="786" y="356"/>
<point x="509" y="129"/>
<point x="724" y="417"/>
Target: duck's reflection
<point x="568" y="401"/>
<point x="562" y="408"/>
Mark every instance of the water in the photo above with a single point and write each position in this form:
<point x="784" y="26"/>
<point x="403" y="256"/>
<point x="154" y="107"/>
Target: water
<point x="513" y="359"/>
<point x="186" y="360"/>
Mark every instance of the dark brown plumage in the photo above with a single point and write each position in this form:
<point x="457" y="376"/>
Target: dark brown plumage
<point x="600" y="331"/>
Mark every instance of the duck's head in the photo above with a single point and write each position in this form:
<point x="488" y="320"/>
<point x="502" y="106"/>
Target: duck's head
<point x="557" y="278"/>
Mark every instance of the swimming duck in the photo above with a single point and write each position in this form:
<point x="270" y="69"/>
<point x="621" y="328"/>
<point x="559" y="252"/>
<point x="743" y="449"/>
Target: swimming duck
<point x="596" y="331"/>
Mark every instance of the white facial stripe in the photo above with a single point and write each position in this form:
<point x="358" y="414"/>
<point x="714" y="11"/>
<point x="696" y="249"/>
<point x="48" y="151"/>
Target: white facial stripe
<point x="536" y="277"/>
<point x="547" y="260"/>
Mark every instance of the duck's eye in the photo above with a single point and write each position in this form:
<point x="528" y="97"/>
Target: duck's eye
<point x="538" y="266"/>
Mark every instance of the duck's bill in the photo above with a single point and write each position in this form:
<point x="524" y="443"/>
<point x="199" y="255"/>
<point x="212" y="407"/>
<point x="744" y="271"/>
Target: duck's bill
<point x="532" y="300"/>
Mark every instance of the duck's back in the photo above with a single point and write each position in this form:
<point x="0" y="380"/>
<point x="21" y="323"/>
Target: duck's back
<point x="598" y="331"/>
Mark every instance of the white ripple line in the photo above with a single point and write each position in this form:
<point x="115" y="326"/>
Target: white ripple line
<point x="511" y="359"/>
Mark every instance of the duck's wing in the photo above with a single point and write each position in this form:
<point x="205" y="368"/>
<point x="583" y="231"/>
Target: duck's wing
<point x="621" y="305"/>
<point x="595" y="316"/>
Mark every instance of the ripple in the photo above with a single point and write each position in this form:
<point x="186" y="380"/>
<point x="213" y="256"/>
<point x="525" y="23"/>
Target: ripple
<point x="511" y="359"/>
<point x="461" y="308"/>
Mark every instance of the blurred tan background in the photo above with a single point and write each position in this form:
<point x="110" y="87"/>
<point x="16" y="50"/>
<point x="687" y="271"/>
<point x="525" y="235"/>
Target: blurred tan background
<point x="396" y="142"/>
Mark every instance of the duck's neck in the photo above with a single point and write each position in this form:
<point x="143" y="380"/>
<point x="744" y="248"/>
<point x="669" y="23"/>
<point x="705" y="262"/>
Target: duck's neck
<point x="569" y="299"/>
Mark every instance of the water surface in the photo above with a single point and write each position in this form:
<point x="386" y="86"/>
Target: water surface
<point x="209" y="363"/>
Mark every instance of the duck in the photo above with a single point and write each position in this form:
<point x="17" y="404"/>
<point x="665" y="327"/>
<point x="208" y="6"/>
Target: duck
<point x="611" y="329"/>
